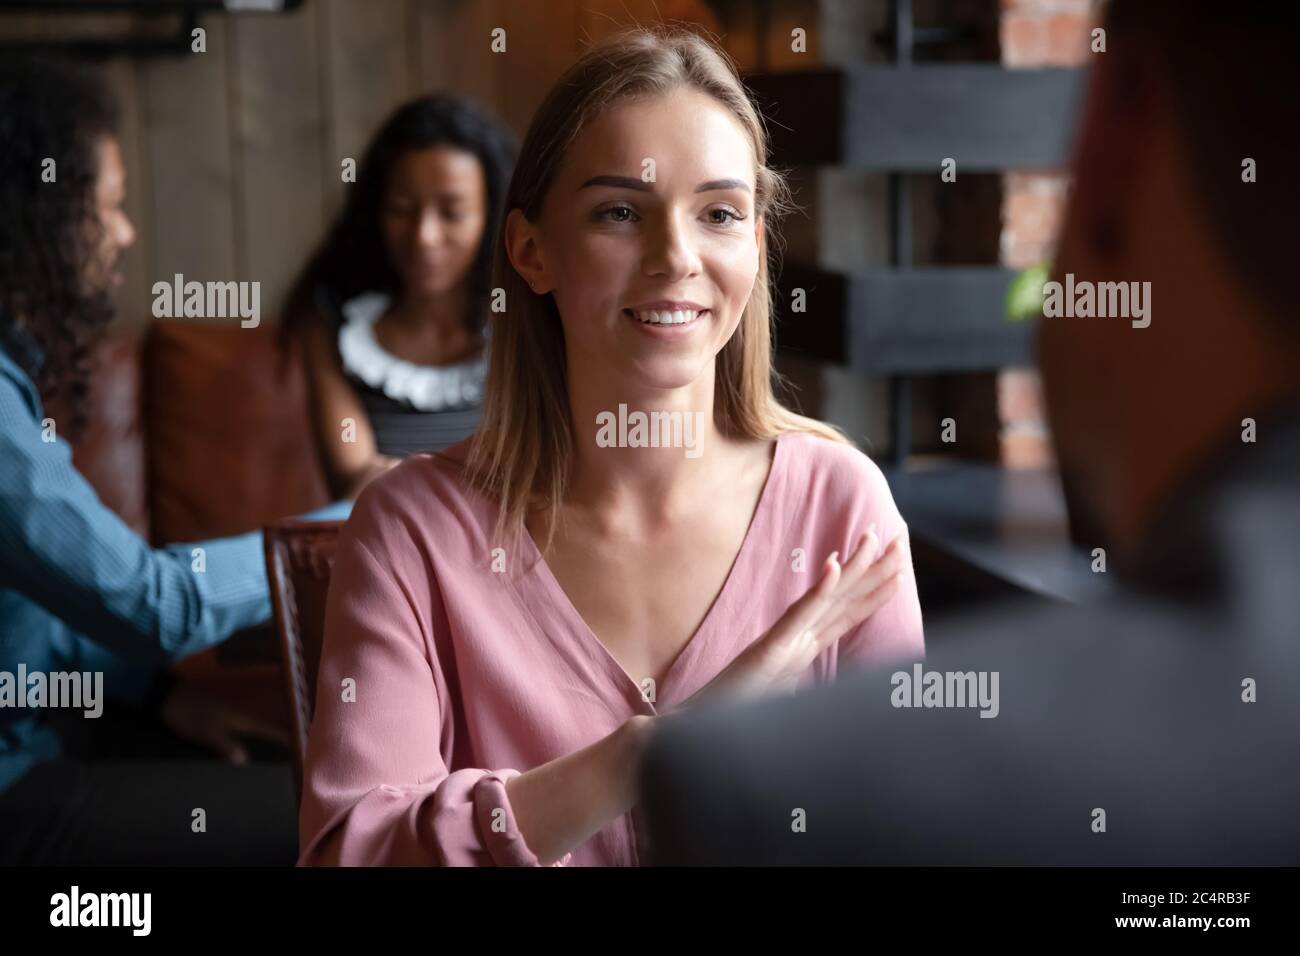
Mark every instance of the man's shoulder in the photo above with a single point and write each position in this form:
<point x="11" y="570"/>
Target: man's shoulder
<point x="18" y="396"/>
<point x="20" y="414"/>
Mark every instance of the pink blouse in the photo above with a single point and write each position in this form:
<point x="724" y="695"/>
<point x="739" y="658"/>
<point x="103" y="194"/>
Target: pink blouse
<point x="441" y="678"/>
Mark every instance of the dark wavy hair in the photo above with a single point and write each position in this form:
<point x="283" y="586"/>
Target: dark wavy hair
<point x="49" y="231"/>
<point x="353" y="257"/>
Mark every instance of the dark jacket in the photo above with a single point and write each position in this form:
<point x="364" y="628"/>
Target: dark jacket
<point x="1134" y="707"/>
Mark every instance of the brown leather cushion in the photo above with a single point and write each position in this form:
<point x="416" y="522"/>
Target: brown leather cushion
<point x="111" y="451"/>
<point x="230" y="444"/>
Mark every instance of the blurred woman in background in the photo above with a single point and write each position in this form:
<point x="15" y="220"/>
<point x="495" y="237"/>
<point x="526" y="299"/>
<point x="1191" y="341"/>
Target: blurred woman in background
<point x="390" y="311"/>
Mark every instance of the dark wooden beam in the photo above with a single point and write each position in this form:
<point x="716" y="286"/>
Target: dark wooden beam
<point x="910" y="321"/>
<point x="908" y="120"/>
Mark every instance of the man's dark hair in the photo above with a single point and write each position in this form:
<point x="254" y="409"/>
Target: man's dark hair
<point x="1233" y="70"/>
<point x="353" y="258"/>
<point x="49" y="231"/>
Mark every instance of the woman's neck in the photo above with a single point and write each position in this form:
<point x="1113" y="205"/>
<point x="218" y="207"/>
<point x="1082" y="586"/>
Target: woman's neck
<point x="616" y="467"/>
<point x="445" y="311"/>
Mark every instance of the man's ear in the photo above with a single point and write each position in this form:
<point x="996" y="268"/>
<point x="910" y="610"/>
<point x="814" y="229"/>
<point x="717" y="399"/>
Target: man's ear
<point x="524" y="252"/>
<point x="1117" y="120"/>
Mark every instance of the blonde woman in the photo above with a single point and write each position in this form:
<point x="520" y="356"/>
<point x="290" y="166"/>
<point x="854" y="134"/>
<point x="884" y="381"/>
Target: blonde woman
<point x="508" y="618"/>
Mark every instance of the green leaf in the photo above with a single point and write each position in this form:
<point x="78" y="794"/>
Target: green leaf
<point x="1025" y="294"/>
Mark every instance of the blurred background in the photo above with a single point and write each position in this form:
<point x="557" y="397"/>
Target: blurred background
<point x="908" y="342"/>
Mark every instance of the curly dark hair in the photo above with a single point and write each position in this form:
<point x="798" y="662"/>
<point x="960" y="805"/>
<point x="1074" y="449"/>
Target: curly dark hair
<point x="49" y="231"/>
<point x="353" y="258"/>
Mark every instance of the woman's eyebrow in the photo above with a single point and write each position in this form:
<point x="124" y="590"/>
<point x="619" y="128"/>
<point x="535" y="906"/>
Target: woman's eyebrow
<point x="713" y="184"/>
<point x="631" y="182"/>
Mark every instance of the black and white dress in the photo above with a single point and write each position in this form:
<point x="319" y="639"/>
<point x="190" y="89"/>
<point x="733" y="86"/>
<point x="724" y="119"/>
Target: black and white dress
<point x="411" y="407"/>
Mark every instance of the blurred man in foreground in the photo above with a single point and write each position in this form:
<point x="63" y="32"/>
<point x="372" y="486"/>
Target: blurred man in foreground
<point x="1163" y="727"/>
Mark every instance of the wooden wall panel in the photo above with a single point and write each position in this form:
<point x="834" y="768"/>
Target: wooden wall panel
<point x="456" y="39"/>
<point x="369" y="67"/>
<point x="279" y="137"/>
<point x="786" y="15"/>
<point x="533" y="61"/>
<point x="188" y="157"/>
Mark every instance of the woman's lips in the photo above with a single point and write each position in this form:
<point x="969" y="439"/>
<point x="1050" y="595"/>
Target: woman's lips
<point x="425" y="267"/>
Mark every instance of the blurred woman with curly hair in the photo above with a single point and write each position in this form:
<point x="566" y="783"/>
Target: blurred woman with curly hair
<point x="82" y="595"/>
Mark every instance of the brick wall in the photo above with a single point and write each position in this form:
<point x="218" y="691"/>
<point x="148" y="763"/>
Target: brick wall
<point x="1034" y="34"/>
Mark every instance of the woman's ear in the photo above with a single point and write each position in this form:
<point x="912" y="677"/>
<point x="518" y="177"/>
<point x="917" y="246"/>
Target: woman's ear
<point x="524" y="251"/>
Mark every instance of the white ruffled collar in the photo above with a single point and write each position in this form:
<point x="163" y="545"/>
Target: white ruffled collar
<point x="429" y="388"/>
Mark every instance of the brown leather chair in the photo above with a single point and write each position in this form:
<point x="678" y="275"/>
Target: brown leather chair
<point x="198" y="430"/>
<point x="299" y="558"/>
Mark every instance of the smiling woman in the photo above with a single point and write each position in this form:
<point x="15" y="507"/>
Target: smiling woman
<point x="517" y="610"/>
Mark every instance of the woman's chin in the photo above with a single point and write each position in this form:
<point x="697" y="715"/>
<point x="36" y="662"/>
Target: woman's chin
<point x="657" y="373"/>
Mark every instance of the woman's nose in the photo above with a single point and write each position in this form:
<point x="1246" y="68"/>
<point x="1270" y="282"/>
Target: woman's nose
<point x="430" y="230"/>
<point x="670" y="249"/>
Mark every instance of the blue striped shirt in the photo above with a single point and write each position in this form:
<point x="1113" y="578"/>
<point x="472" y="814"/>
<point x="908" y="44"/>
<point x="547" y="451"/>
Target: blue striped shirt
<point x="80" y="591"/>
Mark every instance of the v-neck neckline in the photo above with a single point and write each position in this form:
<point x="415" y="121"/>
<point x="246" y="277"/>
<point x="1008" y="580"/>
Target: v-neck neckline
<point x="561" y="610"/>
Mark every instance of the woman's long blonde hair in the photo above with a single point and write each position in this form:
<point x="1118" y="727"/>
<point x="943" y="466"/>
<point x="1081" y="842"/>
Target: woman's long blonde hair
<point x="520" y="456"/>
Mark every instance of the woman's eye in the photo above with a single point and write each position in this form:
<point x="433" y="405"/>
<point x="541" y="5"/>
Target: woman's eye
<point x="618" y="214"/>
<point x="725" y="217"/>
